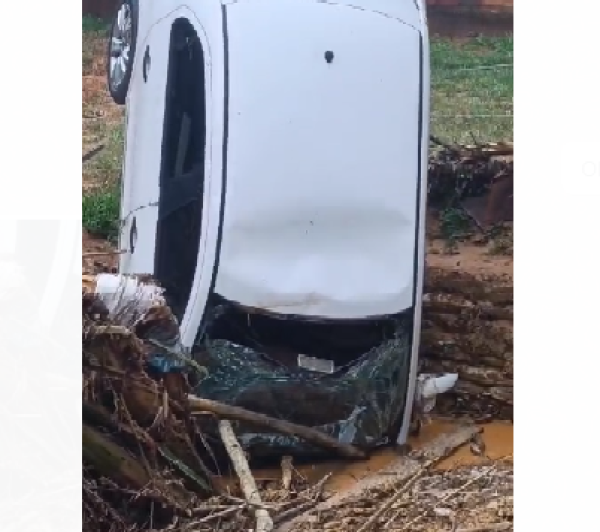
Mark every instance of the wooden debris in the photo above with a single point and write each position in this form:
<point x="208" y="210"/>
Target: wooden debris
<point x="264" y="523"/>
<point x="392" y="478"/>
<point x="286" y="473"/>
<point x="492" y="527"/>
<point x="409" y="526"/>
<point x="91" y="254"/>
<point x="199" y="405"/>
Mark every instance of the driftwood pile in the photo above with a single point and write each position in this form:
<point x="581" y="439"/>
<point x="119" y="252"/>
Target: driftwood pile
<point x="147" y="460"/>
<point x="139" y="455"/>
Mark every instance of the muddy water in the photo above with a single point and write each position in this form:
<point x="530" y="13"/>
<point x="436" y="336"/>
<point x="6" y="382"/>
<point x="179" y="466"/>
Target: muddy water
<point x="498" y="438"/>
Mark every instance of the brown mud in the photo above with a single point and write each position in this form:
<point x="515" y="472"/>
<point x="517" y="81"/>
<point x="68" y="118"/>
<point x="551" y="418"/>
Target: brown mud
<point x="497" y="437"/>
<point x="468" y="329"/>
<point x="464" y="24"/>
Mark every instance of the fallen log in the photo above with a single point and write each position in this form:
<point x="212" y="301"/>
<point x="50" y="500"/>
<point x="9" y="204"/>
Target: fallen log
<point x="264" y="523"/>
<point x="199" y="406"/>
<point x="112" y="461"/>
<point x="91" y="254"/>
<point x="492" y="527"/>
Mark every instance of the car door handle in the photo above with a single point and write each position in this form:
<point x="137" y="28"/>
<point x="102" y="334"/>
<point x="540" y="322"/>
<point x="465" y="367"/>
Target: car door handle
<point x="146" y="64"/>
<point x="133" y="234"/>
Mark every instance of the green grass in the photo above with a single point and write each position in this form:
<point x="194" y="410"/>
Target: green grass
<point x="102" y="122"/>
<point x="100" y="212"/>
<point x="472" y="89"/>
<point x="104" y="169"/>
<point x="101" y="197"/>
<point x="93" y="24"/>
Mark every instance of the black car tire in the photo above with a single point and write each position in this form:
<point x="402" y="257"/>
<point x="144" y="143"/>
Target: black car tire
<point x="121" y="50"/>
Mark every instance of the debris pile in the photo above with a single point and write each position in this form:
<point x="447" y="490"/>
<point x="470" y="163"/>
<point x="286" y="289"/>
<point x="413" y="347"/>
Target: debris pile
<point x="152" y="452"/>
<point x="139" y="453"/>
<point x="467" y="324"/>
<point x="412" y="494"/>
<point x="466" y="499"/>
<point x="467" y="329"/>
<point x="475" y="178"/>
<point x="150" y="457"/>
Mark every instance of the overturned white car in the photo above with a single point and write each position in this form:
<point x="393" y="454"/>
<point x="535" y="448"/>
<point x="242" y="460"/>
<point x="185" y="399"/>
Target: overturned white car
<point x="275" y="183"/>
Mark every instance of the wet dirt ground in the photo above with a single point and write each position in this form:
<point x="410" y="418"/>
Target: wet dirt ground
<point x="455" y="24"/>
<point x="98" y="255"/>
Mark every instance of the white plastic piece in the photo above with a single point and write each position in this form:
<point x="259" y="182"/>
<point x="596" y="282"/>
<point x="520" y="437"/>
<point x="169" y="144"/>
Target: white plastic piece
<point x="434" y="385"/>
<point x="430" y="386"/>
<point x="119" y="292"/>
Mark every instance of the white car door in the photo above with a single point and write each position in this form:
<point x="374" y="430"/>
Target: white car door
<point x="174" y="173"/>
<point x="142" y="158"/>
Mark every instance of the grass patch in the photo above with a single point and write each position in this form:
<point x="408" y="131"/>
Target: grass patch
<point x="472" y="89"/>
<point x="100" y="212"/>
<point x="102" y="119"/>
<point x="93" y="24"/>
<point x="94" y="35"/>
<point x="104" y="170"/>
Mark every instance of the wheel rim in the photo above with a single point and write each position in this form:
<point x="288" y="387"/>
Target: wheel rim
<point x="120" y="46"/>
